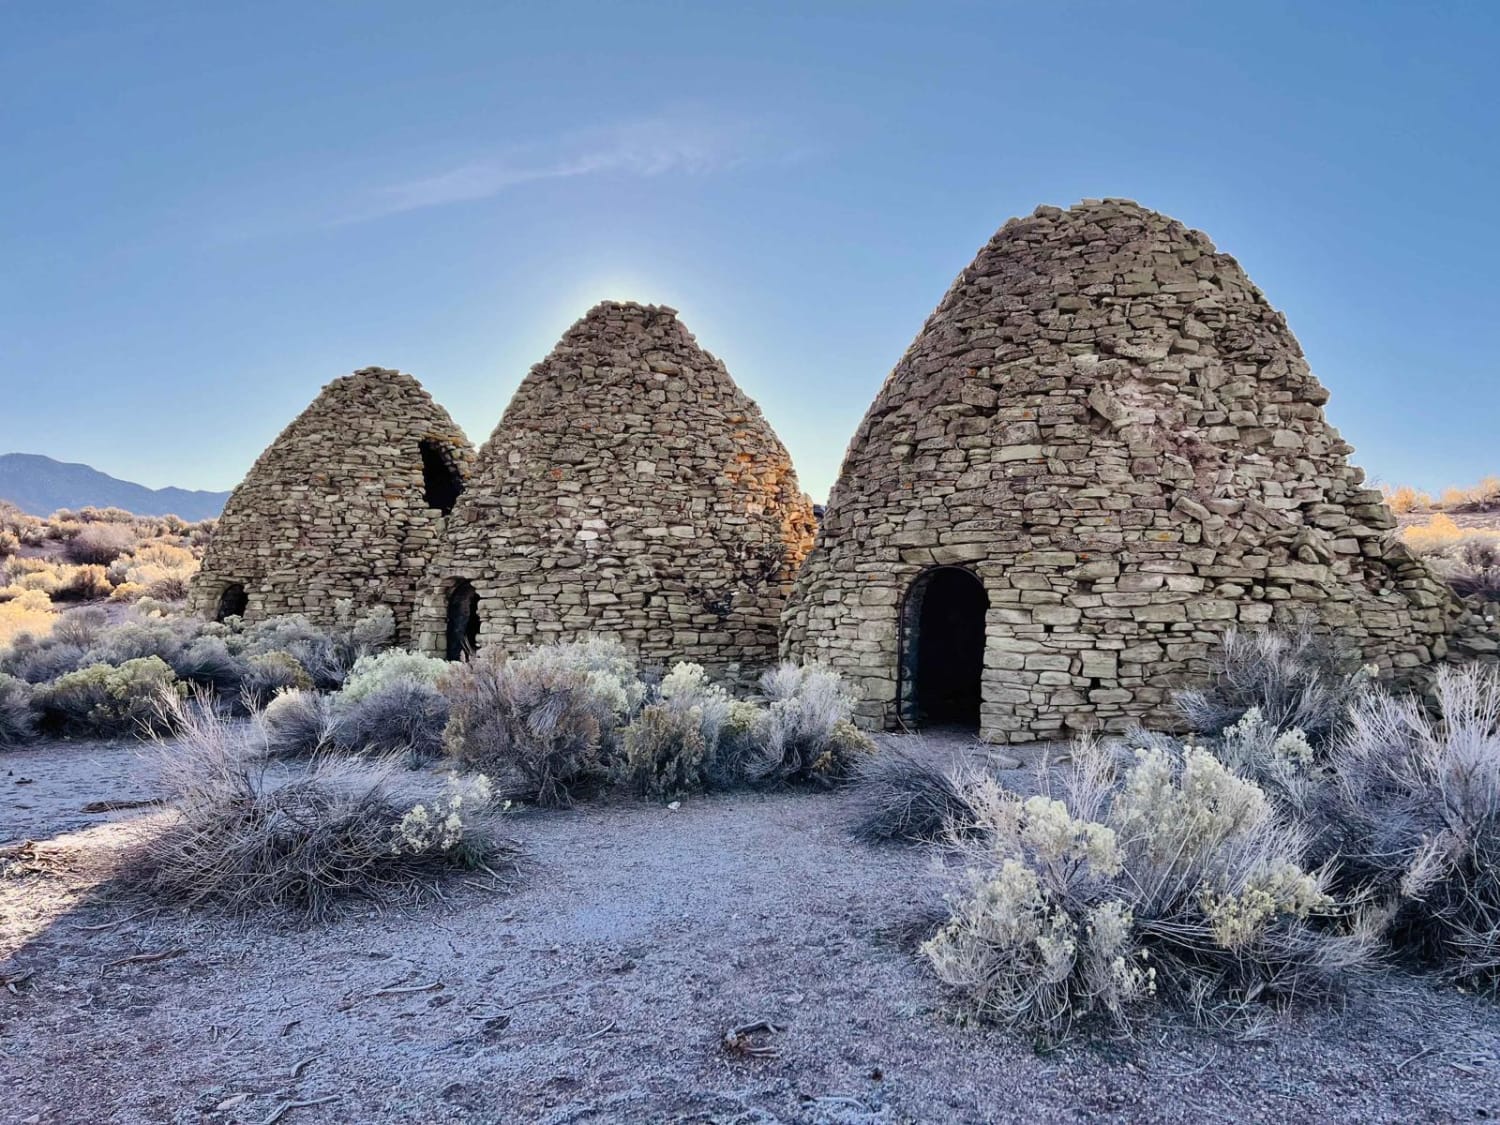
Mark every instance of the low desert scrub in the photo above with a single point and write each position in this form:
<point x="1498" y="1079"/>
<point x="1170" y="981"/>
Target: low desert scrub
<point x="1404" y="498"/>
<point x="673" y="745"/>
<point x="1482" y="497"/>
<point x="17" y="715"/>
<point x="545" y="723"/>
<point x="1435" y="536"/>
<point x="904" y="794"/>
<point x="103" y="701"/>
<point x="10" y="543"/>
<point x="806" y="732"/>
<point x="164" y="570"/>
<point x="328" y="654"/>
<point x="100" y="544"/>
<point x="1159" y="878"/>
<point x="374" y="672"/>
<point x="26" y="613"/>
<point x="1470" y="565"/>
<point x="403" y="717"/>
<point x="241" y="838"/>
<point x="1293" y="679"/>
<point x="1412" y="807"/>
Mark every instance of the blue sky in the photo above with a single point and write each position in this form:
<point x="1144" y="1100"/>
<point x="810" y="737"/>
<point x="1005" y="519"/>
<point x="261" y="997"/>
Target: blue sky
<point x="207" y="211"/>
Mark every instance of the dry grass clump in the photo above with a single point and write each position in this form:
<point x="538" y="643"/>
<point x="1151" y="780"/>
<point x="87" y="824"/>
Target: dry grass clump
<point x="1162" y="878"/>
<point x="242" y="839"/>
<point x="1412" y="807"/>
<point x="17" y="715"/>
<point x="1294" y="679"/>
<point x="296" y="724"/>
<point x="807" y="732"/>
<point x="904" y="794"/>
<point x="545" y="723"/>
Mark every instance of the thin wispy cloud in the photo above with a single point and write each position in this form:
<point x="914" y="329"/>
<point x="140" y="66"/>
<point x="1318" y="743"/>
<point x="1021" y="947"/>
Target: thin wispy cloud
<point x="656" y="146"/>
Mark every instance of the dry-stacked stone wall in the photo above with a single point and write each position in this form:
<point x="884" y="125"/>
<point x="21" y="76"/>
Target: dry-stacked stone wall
<point x="631" y="490"/>
<point x="1106" y="425"/>
<point x="347" y="503"/>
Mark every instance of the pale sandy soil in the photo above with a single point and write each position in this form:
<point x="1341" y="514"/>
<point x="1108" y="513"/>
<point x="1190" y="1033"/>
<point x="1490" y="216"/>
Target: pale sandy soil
<point x="601" y="988"/>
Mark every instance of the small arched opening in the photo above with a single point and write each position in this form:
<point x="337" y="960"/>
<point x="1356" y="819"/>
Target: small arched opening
<point x="233" y="601"/>
<point x="942" y="649"/>
<point x="441" y="483"/>
<point x="463" y="620"/>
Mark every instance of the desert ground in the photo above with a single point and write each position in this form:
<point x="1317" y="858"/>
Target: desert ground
<point x="611" y="978"/>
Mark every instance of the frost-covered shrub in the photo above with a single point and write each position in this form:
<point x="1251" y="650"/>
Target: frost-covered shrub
<point x="296" y="724"/>
<point x="1413" y="811"/>
<point x="241" y="839"/>
<point x="1292" y="678"/>
<point x="403" y="716"/>
<point x="208" y="662"/>
<point x="328" y="655"/>
<point x="1160" y="878"/>
<point x="17" y="717"/>
<point x="902" y="794"/>
<point x="39" y="659"/>
<point x="673" y="743"/>
<point x="106" y="701"/>
<point x="806" y="732"/>
<point x="141" y="636"/>
<point x="371" y="673"/>
<point x="545" y="723"/>
<point x="267" y="675"/>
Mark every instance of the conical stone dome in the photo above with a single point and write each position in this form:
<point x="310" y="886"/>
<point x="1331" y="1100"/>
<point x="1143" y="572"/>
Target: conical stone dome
<point x="1103" y="449"/>
<point x="349" y="502"/>
<point x="631" y="490"/>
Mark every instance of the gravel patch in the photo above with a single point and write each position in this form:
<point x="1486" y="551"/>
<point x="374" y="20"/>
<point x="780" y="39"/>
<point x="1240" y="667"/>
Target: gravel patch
<point x="602" y="986"/>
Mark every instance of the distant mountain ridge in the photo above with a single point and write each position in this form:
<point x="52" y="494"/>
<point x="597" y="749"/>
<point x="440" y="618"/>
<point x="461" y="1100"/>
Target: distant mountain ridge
<point x="39" y="485"/>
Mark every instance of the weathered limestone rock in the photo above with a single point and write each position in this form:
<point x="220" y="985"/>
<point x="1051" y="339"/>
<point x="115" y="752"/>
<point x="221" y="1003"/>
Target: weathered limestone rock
<point x="631" y="489"/>
<point x="1106" y="424"/>
<point x="347" y="503"/>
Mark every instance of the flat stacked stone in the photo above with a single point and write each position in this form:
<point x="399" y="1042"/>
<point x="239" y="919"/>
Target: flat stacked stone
<point x="338" y="507"/>
<point x="1107" y="424"/>
<point x="630" y="490"/>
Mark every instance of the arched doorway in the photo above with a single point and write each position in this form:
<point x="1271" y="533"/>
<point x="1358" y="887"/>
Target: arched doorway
<point x="463" y="620"/>
<point x="441" y="484"/>
<point x="233" y="602"/>
<point x="942" y="649"/>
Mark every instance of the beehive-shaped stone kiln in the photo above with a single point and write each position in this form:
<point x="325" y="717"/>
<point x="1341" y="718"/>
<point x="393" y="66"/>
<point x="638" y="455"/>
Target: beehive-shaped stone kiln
<point x="1103" y="449"/>
<point x="631" y="490"/>
<point x="349" y="502"/>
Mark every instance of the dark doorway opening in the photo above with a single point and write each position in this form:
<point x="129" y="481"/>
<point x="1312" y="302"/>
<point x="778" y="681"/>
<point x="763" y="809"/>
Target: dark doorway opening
<point x="441" y="483"/>
<point x="232" y="602"/>
<point x="943" y="649"/>
<point x="463" y="620"/>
